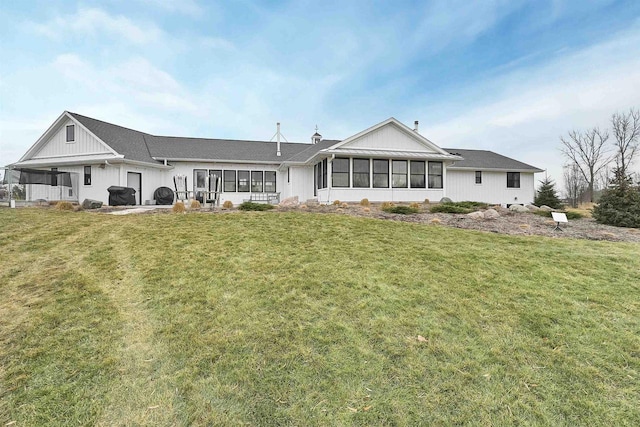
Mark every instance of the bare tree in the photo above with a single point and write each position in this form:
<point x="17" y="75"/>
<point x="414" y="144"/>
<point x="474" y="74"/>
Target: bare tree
<point x="626" y="131"/>
<point x="574" y="184"/>
<point x="587" y="150"/>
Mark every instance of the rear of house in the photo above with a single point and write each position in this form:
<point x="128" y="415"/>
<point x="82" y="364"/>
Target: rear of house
<point x="386" y="162"/>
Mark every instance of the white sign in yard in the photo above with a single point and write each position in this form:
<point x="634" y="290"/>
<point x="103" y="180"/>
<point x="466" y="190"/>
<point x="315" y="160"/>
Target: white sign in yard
<point x="559" y="217"/>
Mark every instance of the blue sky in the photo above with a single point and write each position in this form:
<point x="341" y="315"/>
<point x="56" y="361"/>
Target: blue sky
<point x="508" y="76"/>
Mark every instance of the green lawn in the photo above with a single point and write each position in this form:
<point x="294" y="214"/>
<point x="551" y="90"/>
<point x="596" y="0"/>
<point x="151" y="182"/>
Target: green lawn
<point x="309" y="319"/>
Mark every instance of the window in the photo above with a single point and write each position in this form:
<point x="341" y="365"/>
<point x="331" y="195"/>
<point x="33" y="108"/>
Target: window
<point x="288" y="174"/>
<point x="361" y="173"/>
<point x="513" y="179"/>
<point x="399" y="177"/>
<point x="243" y="181"/>
<point x="340" y="172"/>
<point x="54" y="177"/>
<point x="321" y="174"/>
<point x="381" y="173"/>
<point x="417" y="174"/>
<point x="213" y="174"/>
<point x="229" y="181"/>
<point x="87" y="175"/>
<point x="324" y="173"/>
<point x="270" y="181"/>
<point x="71" y="133"/>
<point x="435" y="174"/>
<point x="478" y="177"/>
<point x="256" y="182"/>
<point x="199" y="178"/>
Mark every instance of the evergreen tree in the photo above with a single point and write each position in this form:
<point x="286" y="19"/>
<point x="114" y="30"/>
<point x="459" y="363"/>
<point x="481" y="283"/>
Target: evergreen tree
<point x="547" y="195"/>
<point x="619" y="205"/>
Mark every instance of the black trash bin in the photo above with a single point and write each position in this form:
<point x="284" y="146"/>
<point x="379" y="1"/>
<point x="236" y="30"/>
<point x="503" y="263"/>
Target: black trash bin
<point x="121" y="196"/>
<point x="164" y="196"/>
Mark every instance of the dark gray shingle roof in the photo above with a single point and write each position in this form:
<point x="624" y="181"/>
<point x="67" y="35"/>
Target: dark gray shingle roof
<point x="170" y="147"/>
<point x="125" y="141"/>
<point x="140" y="146"/>
<point x="483" y="159"/>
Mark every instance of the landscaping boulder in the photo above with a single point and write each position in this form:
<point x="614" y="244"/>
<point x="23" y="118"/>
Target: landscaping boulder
<point x="91" y="204"/>
<point x="491" y="214"/>
<point x="446" y="200"/>
<point x="476" y="215"/>
<point x="546" y="208"/>
<point x="518" y="208"/>
<point x="532" y="208"/>
<point x="290" y="201"/>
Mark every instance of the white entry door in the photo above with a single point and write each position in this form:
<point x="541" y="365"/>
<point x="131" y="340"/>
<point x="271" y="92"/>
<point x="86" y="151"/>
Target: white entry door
<point x="134" y="180"/>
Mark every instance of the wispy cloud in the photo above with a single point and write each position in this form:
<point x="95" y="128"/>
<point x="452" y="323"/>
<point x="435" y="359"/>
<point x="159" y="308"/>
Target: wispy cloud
<point x="94" y="22"/>
<point x="527" y="110"/>
<point x="136" y="79"/>
<point x="188" y="7"/>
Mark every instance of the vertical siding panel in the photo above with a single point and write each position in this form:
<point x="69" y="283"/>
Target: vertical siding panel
<point x="84" y="143"/>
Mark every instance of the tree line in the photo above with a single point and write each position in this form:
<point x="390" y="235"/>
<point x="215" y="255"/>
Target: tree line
<point x="591" y="153"/>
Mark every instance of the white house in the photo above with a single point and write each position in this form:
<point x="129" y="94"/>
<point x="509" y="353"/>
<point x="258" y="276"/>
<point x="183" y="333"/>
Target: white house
<point x="386" y="162"/>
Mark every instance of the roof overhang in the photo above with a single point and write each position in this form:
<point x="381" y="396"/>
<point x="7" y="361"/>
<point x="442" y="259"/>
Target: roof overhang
<point x="533" y="170"/>
<point x="84" y="160"/>
<point x="178" y="159"/>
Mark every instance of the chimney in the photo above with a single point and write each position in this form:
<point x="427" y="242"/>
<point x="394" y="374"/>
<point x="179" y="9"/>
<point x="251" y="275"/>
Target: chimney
<point x="278" y="152"/>
<point x="415" y="126"/>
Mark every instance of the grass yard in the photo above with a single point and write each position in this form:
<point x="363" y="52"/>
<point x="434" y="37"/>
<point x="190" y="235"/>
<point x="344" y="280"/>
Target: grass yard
<point x="309" y="319"/>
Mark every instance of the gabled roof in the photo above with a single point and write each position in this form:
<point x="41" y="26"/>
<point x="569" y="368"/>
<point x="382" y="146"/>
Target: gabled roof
<point x="128" y="142"/>
<point x="141" y="146"/>
<point x="400" y="126"/>
<point x="483" y="159"/>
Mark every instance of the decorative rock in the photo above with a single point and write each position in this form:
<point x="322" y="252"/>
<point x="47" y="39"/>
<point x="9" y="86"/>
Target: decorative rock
<point x="290" y="201"/>
<point x="446" y="200"/>
<point x="491" y="214"/>
<point x="91" y="204"/>
<point x="532" y="208"/>
<point x="546" y="208"/>
<point x="476" y="215"/>
<point x="518" y="208"/>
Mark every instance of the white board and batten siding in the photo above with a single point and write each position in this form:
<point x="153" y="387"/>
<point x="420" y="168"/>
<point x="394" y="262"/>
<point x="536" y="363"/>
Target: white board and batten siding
<point x="461" y="186"/>
<point x="387" y="138"/>
<point x="83" y="144"/>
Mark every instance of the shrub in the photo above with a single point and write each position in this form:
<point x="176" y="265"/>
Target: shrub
<point x="64" y="206"/>
<point x="470" y="205"/>
<point x="458" y="207"/>
<point x="364" y="202"/>
<point x="344" y="205"/>
<point x="178" y="207"/>
<point x="228" y="204"/>
<point x="336" y="202"/>
<point x="570" y="214"/>
<point x="619" y="206"/>
<point x="449" y="208"/>
<point x="403" y="210"/>
<point x="250" y="206"/>
<point x="415" y="205"/>
<point x="195" y="205"/>
<point x="386" y="205"/>
<point x="426" y="201"/>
